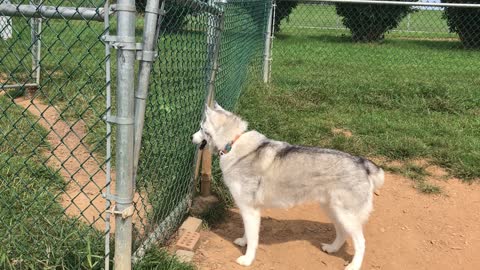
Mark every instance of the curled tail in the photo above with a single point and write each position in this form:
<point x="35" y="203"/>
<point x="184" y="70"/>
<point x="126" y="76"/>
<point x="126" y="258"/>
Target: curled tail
<point x="375" y="174"/>
<point x="377" y="178"/>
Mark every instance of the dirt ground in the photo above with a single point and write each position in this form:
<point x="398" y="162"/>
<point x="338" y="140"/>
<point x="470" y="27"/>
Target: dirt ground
<point x="407" y="230"/>
<point x="77" y="165"/>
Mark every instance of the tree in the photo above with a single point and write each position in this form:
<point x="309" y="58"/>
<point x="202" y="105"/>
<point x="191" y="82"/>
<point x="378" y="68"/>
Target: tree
<point x="175" y="17"/>
<point x="283" y="10"/>
<point x="465" y="22"/>
<point x="370" y="22"/>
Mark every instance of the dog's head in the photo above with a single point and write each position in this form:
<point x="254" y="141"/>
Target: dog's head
<point x="218" y="128"/>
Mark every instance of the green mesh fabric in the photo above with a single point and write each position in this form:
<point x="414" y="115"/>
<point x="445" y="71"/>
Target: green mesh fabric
<point x="177" y="97"/>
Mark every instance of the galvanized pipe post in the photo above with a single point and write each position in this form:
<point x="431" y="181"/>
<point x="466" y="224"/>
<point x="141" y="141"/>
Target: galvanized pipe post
<point x="268" y="42"/>
<point x="214" y="40"/>
<point x="108" y="126"/>
<point x="126" y="55"/>
<point x="36" y="24"/>
<point x="151" y="29"/>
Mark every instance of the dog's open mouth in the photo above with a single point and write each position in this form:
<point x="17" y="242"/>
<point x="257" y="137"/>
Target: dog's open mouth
<point x="203" y="144"/>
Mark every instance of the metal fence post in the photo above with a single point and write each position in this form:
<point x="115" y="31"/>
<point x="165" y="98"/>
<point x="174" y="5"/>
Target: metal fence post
<point x="214" y="41"/>
<point x="36" y="24"/>
<point x="153" y="20"/>
<point x="6" y="25"/>
<point x="268" y="42"/>
<point x="108" y="152"/>
<point x="126" y="54"/>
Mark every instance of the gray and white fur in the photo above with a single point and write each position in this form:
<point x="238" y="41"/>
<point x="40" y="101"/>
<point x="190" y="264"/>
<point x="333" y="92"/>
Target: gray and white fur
<point x="264" y="173"/>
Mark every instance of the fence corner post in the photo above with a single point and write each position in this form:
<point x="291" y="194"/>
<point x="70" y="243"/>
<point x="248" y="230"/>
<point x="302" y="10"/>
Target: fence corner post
<point x="216" y="23"/>
<point x="267" y="55"/>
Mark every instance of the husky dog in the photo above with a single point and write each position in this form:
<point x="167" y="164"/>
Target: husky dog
<point x="264" y="173"/>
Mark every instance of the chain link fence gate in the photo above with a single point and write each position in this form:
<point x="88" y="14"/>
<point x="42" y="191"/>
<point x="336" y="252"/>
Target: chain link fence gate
<point x="203" y="48"/>
<point x="59" y="124"/>
<point x="52" y="142"/>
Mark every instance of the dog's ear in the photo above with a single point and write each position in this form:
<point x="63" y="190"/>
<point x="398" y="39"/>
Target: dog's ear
<point x="208" y="111"/>
<point x="218" y="107"/>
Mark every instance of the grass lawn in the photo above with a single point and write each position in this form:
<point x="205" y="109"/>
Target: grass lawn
<point x="36" y="234"/>
<point x="402" y="99"/>
<point x="73" y="80"/>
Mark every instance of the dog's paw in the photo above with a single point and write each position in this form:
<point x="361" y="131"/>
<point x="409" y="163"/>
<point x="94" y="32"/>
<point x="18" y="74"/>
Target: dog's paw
<point x="352" y="267"/>
<point x="240" y="242"/>
<point x="244" y="260"/>
<point x="329" y="248"/>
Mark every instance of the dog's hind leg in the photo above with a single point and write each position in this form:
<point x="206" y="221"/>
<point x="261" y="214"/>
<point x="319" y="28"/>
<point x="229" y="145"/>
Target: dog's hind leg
<point x="339" y="232"/>
<point x="353" y="227"/>
<point x="251" y="222"/>
<point x="242" y="241"/>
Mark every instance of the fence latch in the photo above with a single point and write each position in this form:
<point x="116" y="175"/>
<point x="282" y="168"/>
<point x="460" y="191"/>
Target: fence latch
<point x="127" y="212"/>
<point x="119" y="120"/>
<point x="125" y="43"/>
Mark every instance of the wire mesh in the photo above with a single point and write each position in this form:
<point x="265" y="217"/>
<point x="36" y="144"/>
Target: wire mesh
<point x="53" y="75"/>
<point x="177" y="97"/>
<point x="52" y="140"/>
<point x="386" y="58"/>
<point x="409" y="43"/>
<point x="381" y="22"/>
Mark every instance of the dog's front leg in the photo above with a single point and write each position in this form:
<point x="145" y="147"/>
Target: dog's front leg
<point x="251" y="223"/>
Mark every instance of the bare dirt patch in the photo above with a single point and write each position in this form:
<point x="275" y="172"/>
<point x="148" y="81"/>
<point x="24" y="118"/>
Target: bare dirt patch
<point x="78" y="166"/>
<point x="3" y="77"/>
<point x="407" y="230"/>
<point x="340" y="131"/>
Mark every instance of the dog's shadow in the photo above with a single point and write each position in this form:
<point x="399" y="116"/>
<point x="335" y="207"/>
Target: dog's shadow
<point x="274" y="231"/>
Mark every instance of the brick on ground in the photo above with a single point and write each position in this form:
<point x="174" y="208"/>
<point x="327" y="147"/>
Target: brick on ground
<point x="188" y="241"/>
<point x="190" y="224"/>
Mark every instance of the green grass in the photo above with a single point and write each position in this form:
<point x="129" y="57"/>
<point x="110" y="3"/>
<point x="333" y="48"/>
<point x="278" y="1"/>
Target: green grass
<point x="73" y="80"/>
<point x="418" y="174"/>
<point x="36" y="234"/>
<point x="159" y="259"/>
<point x="402" y="99"/>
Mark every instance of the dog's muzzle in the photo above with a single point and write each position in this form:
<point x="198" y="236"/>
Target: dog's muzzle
<point x="203" y="144"/>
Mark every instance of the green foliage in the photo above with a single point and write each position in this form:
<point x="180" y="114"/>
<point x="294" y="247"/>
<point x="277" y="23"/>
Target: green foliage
<point x="176" y="15"/>
<point x="283" y="10"/>
<point x="465" y="22"/>
<point x="36" y="233"/>
<point x="369" y="23"/>
<point x="159" y="259"/>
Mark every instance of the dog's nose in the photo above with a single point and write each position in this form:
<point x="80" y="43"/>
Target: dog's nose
<point x="203" y="144"/>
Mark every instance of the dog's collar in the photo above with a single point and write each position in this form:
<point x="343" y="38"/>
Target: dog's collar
<point x="228" y="146"/>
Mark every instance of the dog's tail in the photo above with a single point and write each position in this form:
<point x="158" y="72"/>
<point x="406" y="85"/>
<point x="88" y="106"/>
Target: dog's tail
<point x="377" y="179"/>
<point x="376" y="176"/>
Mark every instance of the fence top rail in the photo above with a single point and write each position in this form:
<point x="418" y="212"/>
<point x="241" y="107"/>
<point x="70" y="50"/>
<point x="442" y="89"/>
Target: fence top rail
<point x="41" y="11"/>
<point x="395" y="3"/>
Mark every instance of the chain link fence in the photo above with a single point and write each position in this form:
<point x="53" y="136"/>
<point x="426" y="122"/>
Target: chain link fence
<point x="61" y="178"/>
<point x="52" y="136"/>
<point x="374" y="21"/>
<point x="431" y="39"/>
<point x="388" y="57"/>
<point x="198" y="46"/>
